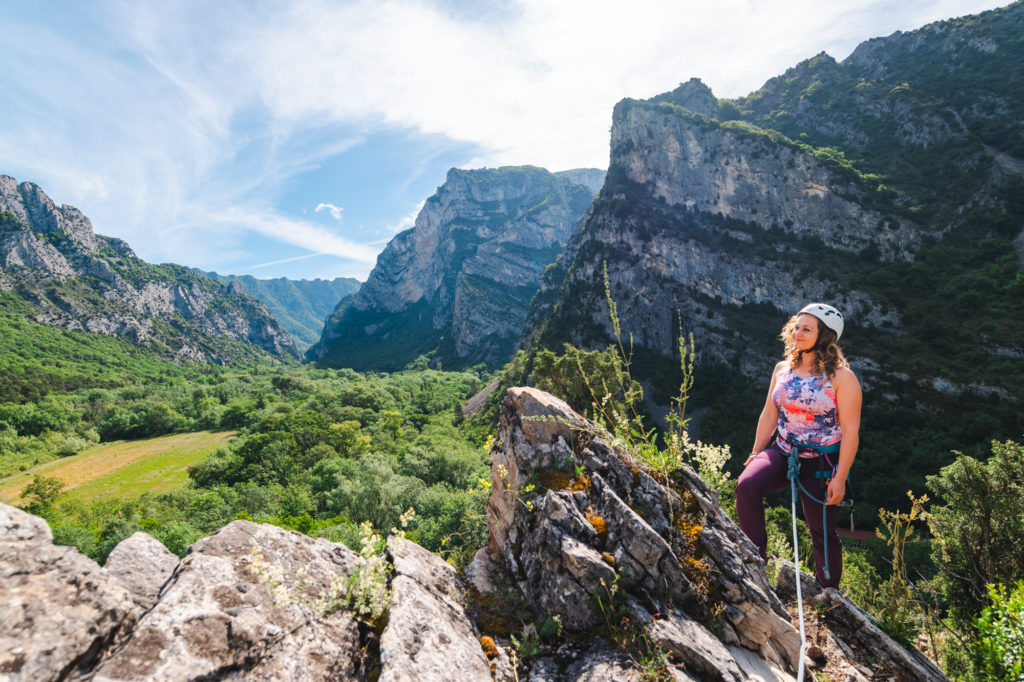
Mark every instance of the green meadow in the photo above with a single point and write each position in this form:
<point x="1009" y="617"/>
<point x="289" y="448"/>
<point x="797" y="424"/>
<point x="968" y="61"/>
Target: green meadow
<point x="123" y="469"/>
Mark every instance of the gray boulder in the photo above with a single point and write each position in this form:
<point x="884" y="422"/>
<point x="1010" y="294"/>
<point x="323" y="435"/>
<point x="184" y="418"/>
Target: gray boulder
<point x="141" y="564"/>
<point x="597" y="530"/>
<point x="249" y="601"/>
<point x="862" y="632"/>
<point x="59" y="611"/>
<point x="428" y="636"/>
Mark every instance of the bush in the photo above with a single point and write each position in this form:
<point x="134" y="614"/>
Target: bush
<point x="1001" y="633"/>
<point x="860" y="581"/>
<point x="391" y="494"/>
<point x="978" y="528"/>
<point x="72" y="446"/>
<point x="78" y="537"/>
<point x="177" y="536"/>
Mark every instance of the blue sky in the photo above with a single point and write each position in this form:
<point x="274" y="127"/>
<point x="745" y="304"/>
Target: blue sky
<point x="296" y="138"/>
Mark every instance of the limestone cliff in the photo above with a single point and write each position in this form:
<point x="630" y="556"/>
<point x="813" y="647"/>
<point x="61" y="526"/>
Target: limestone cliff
<point x="61" y="274"/>
<point x="459" y="282"/>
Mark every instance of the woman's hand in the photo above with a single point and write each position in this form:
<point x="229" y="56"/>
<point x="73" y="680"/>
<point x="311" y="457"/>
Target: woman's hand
<point x="836" y="491"/>
<point x="751" y="458"/>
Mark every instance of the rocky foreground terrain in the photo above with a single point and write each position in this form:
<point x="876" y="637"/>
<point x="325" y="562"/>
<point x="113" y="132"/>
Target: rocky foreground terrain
<point x="580" y="536"/>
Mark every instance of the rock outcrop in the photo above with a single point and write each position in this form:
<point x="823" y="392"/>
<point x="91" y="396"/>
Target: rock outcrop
<point x="599" y="536"/>
<point x="252" y="601"/>
<point x="599" y="548"/>
<point x="141" y="564"/>
<point x="458" y="284"/>
<point x="69" y="277"/>
<point x="849" y="626"/>
<point x="580" y="531"/>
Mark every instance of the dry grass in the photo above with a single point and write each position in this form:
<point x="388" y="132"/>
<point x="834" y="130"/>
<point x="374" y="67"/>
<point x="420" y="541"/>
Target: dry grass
<point x="123" y="469"/>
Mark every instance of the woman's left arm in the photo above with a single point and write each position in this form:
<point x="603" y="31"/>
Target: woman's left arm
<point x="848" y="401"/>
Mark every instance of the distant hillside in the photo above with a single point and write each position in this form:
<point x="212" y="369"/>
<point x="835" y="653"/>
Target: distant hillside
<point x="889" y="184"/>
<point x="55" y="271"/>
<point x="300" y="305"/>
<point x="457" y="285"/>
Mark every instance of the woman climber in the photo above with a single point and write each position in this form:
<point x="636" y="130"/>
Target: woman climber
<point x="814" y="403"/>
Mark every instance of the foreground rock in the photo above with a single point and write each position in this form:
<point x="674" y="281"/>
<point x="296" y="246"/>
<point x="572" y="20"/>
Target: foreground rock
<point x="849" y="629"/>
<point x="59" y="611"/>
<point x="141" y="564"/>
<point x="581" y="533"/>
<point x="429" y="636"/>
<point x="246" y="601"/>
<point x="598" y="536"/>
<point x="250" y="602"/>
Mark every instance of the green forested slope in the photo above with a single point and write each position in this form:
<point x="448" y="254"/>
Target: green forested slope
<point x="301" y="306"/>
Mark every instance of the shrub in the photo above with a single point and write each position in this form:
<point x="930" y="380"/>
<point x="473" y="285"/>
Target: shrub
<point x="72" y="446"/>
<point x="1001" y="633"/>
<point x="177" y="536"/>
<point x="978" y="527"/>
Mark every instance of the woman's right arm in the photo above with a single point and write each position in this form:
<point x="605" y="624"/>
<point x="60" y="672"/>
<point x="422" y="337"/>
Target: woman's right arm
<point x="768" y="421"/>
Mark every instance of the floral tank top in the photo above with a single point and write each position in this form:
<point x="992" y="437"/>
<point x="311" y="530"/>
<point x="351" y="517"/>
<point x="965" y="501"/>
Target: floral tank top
<point x="808" y="412"/>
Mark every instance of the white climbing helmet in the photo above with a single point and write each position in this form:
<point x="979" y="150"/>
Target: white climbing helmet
<point x="832" y="318"/>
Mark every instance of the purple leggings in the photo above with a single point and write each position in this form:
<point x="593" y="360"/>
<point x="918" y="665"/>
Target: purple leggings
<point x="766" y="475"/>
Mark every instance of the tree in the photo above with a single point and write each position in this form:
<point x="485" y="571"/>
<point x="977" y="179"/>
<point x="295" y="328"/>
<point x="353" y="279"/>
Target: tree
<point x="979" y="529"/>
<point x="582" y="377"/>
<point x="41" y="493"/>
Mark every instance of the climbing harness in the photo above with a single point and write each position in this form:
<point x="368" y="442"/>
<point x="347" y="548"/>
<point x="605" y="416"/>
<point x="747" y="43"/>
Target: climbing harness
<point x="825" y="473"/>
<point x="793" y="473"/>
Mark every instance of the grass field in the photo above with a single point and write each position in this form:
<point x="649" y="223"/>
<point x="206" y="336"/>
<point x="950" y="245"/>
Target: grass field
<point x="123" y="469"/>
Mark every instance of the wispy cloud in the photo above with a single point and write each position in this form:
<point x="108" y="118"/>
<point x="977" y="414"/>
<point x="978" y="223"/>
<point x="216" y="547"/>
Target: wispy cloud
<point x="335" y="211"/>
<point x="285" y="260"/>
<point x="409" y="219"/>
<point x="295" y="232"/>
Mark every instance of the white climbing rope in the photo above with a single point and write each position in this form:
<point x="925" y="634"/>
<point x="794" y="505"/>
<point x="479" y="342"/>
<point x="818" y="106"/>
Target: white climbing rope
<point x="799" y="595"/>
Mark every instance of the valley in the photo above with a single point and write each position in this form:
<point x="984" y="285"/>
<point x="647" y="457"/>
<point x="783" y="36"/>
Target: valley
<point x="173" y="401"/>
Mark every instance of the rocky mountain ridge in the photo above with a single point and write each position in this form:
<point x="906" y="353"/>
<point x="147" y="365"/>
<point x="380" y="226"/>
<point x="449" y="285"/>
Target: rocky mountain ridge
<point x="57" y="271"/>
<point x="459" y="282"/>
<point x="299" y="305"/>
<point x="597" y="540"/>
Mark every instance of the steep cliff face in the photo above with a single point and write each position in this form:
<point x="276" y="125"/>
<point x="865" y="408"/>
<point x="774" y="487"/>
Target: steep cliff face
<point x="697" y="213"/>
<point x="460" y="281"/>
<point x="62" y="274"/>
<point x="889" y="185"/>
<point x="300" y="306"/>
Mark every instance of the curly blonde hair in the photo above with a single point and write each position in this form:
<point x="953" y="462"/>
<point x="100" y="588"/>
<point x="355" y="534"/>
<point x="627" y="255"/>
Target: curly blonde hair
<point x="828" y="357"/>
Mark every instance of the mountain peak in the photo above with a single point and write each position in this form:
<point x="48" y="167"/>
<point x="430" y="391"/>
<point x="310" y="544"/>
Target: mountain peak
<point x="458" y="283"/>
<point x="693" y="95"/>
<point x="38" y="212"/>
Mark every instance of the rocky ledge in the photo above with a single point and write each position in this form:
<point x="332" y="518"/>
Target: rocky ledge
<point x="587" y="553"/>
